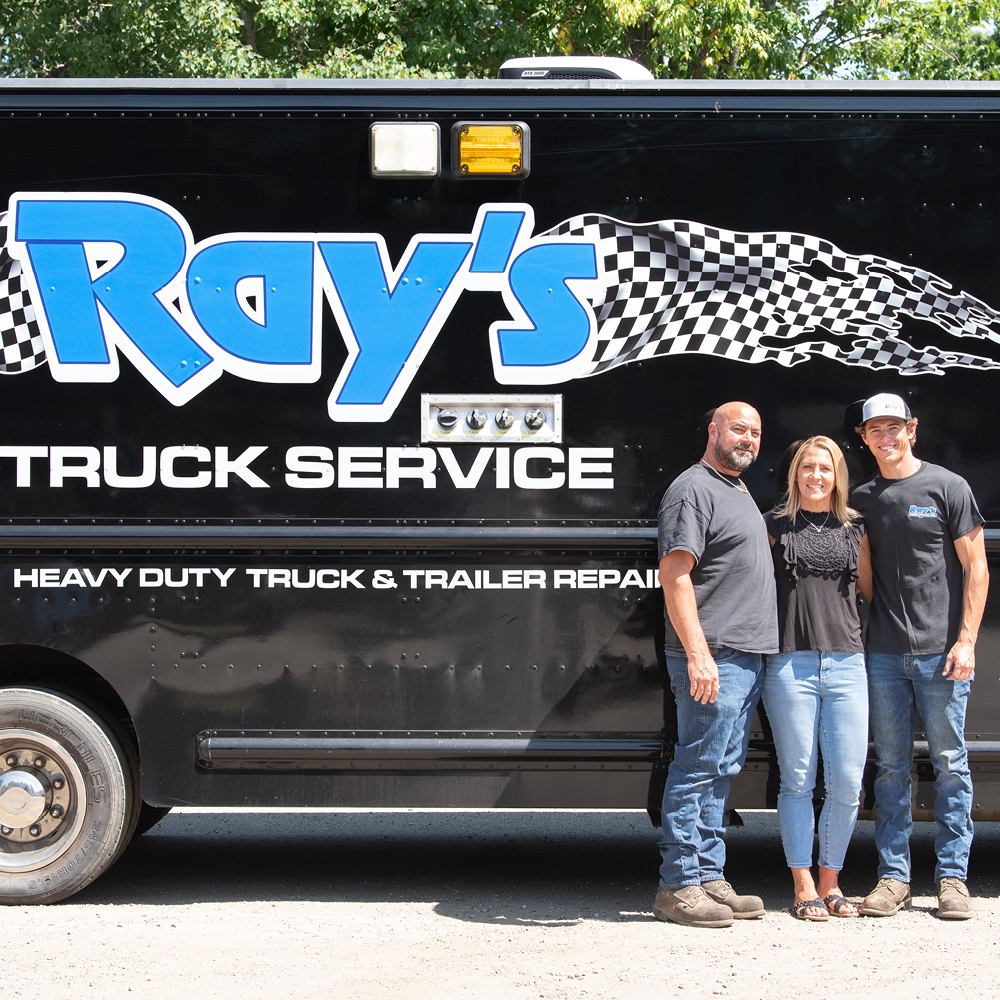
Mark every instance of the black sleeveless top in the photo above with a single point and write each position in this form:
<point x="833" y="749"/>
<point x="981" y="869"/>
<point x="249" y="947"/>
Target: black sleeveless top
<point x="816" y="571"/>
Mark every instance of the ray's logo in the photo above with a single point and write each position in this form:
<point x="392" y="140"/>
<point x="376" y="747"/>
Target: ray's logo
<point x="111" y="273"/>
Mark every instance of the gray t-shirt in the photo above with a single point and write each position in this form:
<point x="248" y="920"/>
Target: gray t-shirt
<point x="708" y="515"/>
<point x="919" y="581"/>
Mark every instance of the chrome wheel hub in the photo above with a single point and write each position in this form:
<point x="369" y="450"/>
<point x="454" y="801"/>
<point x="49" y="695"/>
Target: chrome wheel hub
<point x="22" y="797"/>
<point x="42" y="800"/>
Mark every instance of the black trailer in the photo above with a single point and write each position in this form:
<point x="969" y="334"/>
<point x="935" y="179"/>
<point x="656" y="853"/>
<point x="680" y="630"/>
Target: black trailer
<point x="337" y="414"/>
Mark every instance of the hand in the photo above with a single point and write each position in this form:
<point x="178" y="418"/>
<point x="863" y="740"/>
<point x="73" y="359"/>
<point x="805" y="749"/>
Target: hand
<point x="704" y="677"/>
<point x="961" y="661"/>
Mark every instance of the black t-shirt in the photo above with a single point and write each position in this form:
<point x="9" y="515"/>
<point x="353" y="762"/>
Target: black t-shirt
<point x="816" y="569"/>
<point x="710" y="516"/>
<point x="918" y="579"/>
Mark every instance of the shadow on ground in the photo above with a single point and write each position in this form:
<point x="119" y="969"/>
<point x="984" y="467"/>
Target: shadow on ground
<point x="528" y="868"/>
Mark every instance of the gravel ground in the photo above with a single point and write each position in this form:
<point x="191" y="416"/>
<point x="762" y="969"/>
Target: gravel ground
<point x="497" y="904"/>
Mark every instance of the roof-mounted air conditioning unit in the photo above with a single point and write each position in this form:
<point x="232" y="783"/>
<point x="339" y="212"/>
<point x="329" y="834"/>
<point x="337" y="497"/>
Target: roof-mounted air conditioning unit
<point x="573" y="68"/>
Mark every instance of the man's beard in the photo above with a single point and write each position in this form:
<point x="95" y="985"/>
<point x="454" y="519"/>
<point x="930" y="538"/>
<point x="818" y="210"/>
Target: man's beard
<point x="735" y="459"/>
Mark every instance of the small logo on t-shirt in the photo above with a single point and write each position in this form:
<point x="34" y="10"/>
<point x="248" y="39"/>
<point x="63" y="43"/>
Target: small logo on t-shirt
<point x="916" y="511"/>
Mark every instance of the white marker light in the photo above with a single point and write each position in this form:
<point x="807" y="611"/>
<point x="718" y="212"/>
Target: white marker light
<point x="405" y="149"/>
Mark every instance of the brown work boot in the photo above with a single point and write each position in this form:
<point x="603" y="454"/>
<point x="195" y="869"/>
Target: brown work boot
<point x="887" y="898"/>
<point x="953" y="899"/>
<point x="690" y="906"/>
<point x="743" y="907"/>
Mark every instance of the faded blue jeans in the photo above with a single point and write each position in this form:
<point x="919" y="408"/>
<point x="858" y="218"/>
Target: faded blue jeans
<point x="897" y="686"/>
<point x="817" y="702"/>
<point x="711" y="746"/>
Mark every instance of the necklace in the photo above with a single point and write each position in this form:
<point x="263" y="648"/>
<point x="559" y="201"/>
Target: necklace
<point x="738" y="485"/>
<point x="818" y="530"/>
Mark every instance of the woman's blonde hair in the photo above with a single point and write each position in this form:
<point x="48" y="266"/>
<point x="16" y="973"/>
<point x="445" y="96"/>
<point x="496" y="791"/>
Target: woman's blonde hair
<point x="838" y="500"/>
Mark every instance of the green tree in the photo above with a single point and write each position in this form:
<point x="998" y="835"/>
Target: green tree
<point x="940" y="41"/>
<point x="273" y="38"/>
<point x="743" y="39"/>
<point x="697" y="39"/>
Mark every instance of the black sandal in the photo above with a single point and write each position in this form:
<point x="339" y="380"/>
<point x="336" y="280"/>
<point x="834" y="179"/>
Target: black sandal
<point x="835" y="903"/>
<point x="799" y="910"/>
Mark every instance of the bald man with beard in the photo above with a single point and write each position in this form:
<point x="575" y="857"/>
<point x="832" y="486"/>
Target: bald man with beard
<point x="721" y="619"/>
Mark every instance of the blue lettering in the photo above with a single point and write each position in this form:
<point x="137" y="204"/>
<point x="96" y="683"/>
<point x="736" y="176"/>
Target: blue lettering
<point x="254" y="302"/>
<point x="387" y="323"/>
<point x="154" y="244"/>
<point x="561" y="324"/>
<point x="496" y="241"/>
<point x="68" y="303"/>
<point x="283" y="333"/>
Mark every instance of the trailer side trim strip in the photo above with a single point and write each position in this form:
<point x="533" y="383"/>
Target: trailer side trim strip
<point x="221" y="750"/>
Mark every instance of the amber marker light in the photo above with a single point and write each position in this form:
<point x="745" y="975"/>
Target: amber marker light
<point x="490" y="149"/>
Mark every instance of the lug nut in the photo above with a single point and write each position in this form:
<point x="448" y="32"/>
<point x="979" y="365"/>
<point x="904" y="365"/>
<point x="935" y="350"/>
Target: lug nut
<point x="476" y="419"/>
<point x="6" y="831"/>
<point x="56" y="812"/>
<point x="39" y="762"/>
<point x="447" y="419"/>
<point x="57" y="783"/>
<point x="11" y="759"/>
<point x="534" y="419"/>
<point x="505" y="418"/>
<point x="35" y="831"/>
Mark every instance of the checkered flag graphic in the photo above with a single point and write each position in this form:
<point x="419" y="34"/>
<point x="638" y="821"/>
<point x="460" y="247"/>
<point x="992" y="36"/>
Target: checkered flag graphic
<point x="678" y="287"/>
<point x="21" y="347"/>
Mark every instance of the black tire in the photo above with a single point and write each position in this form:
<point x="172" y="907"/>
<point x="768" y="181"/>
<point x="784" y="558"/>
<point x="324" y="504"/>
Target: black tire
<point x="149" y="816"/>
<point x="76" y="779"/>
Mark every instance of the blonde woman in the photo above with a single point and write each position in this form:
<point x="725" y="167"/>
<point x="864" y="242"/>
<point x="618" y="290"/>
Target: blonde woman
<point x="815" y="689"/>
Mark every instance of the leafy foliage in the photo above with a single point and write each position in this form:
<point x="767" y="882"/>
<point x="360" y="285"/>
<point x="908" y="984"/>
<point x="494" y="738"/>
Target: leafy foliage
<point x="706" y="39"/>
<point x="947" y="41"/>
<point x="777" y="39"/>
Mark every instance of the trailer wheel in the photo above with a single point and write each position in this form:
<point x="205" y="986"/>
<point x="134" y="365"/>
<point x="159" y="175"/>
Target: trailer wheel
<point x="69" y="797"/>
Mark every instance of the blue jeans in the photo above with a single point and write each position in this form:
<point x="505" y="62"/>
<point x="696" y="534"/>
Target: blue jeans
<point x="897" y="686"/>
<point x="818" y="702"/>
<point x="711" y="747"/>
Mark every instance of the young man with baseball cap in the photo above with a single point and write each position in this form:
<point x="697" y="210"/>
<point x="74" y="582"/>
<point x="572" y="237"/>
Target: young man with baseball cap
<point x="927" y="590"/>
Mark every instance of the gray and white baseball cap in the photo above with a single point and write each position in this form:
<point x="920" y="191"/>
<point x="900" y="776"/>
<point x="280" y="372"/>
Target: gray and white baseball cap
<point x="885" y="404"/>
